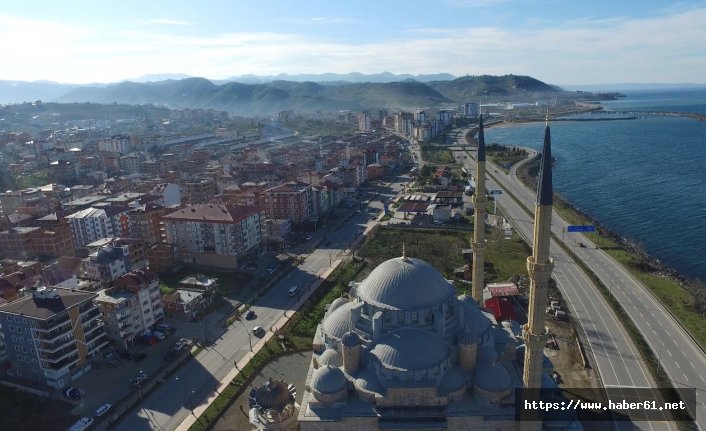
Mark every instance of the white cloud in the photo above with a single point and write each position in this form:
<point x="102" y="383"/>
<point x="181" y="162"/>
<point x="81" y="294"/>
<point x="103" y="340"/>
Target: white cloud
<point x="664" y="49"/>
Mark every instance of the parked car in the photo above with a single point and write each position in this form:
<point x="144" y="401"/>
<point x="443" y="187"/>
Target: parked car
<point x="258" y="331"/>
<point x="250" y="315"/>
<point x="293" y="290"/>
<point x="138" y="356"/>
<point x="72" y="393"/>
<point x="100" y="411"/>
<point x="159" y="335"/>
<point x="164" y="328"/>
<point x="137" y="381"/>
<point x="178" y="346"/>
<point x="271" y="269"/>
<point x="81" y="424"/>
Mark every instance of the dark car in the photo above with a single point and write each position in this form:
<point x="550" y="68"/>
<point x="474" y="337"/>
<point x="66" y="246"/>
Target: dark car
<point x="250" y="315"/>
<point x="73" y="393"/>
<point x="138" y="356"/>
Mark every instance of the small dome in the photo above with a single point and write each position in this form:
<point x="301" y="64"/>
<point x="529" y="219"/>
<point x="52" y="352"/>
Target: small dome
<point x="330" y="357"/>
<point x="339" y="322"/>
<point x="473" y="317"/>
<point x="350" y="339"/>
<point x="328" y="380"/>
<point x="492" y="378"/>
<point x="336" y="303"/>
<point x="273" y="394"/>
<point x="405" y="283"/>
<point x="410" y="349"/>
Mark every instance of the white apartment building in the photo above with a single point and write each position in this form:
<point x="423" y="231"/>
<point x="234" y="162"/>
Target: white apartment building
<point x="215" y="235"/>
<point x="132" y="306"/>
<point x="92" y="224"/>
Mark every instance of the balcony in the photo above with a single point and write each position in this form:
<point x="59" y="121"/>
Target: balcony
<point x="123" y="313"/>
<point x="56" y="358"/>
<point x="54" y="335"/>
<point x="43" y="347"/>
<point x="52" y="325"/>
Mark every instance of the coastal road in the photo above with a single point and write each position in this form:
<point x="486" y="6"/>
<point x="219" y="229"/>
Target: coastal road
<point x="680" y="357"/>
<point x="615" y="355"/>
<point x="172" y="401"/>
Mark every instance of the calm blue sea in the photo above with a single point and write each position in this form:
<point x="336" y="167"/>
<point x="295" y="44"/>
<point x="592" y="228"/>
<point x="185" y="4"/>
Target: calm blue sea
<point x="644" y="179"/>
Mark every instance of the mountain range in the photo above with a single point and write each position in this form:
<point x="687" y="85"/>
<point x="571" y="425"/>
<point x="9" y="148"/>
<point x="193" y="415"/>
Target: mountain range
<point x="279" y="95"/>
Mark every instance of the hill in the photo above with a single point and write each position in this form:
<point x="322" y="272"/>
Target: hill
<point x="279" y="95"/>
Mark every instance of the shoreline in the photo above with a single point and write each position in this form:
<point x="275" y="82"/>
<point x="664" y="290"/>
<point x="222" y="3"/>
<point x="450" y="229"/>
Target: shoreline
<point x="652" y="266"/>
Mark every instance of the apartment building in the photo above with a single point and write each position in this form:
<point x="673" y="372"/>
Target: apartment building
<point x="291" y="200"/>
<point x="198" y="191"/>
<point x="107" y="263"/>
<point x="145" y="222"/>
<point x="131" y="307"/>
<point x="145" y="285"/>
<point x="214" y="235"/>
<point x="52" y="334"/>
<point x="92" y="224"/>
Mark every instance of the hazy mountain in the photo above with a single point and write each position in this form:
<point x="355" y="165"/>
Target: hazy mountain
<point x="471" y="87"/>
<point x="279" y="95"/>
<point x="22" y="91"/>
<point x="354" y="77"/>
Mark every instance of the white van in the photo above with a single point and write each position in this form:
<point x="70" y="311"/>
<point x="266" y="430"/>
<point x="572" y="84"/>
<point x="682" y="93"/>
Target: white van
<point x="293" y="290"/>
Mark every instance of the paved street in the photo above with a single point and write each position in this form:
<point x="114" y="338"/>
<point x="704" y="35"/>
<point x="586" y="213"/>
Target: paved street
<point x="681" y="358"/>
<point x="615" y="354"/>
<point x="170" y="403"/>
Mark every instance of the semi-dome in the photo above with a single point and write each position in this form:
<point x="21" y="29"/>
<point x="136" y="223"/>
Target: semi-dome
<point x="328" y="380"/>
<point x="405" y="283"/>
<point x="273" y="394"/>
<point x="336" y="303"/>
<point x="367" y="380"/>
<point x="410" y="349"/>
<point x="492" y="378"/>
<point x="454" y="379"/>
<point x="339" y="322"/>
<point x="330" y="357"/>
<point x="473" y="317"/>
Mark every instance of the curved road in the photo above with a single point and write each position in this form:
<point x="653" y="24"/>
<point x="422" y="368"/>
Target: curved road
<point x="680" y="358"/>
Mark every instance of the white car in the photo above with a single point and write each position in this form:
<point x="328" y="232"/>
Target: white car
<point x="81" y="424"/>
<point x="178" y="346"/>
<point x="100" y="411"/>
<point x="159" y="335"/>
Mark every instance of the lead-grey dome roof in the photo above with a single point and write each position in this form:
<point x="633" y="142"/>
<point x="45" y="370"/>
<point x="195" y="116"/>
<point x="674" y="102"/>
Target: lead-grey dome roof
<point x="404" y="283"/>
<point x="328" y="380"/>
<point x="339" y="321"/>
<point x="272" y="394"/>
<point x="492" y="378"/>
<point x="410" y="349"/>
<point x="330" y="357"/>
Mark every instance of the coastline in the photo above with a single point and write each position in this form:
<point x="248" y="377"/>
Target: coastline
<point x="649" y="263"/>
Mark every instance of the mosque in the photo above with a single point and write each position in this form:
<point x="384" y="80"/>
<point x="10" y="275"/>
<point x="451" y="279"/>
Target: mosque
<point x="404" y="352"/>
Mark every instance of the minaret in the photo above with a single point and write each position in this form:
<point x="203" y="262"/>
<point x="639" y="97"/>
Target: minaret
<point x="479" y="200"/>
<point x="539" y="267"/>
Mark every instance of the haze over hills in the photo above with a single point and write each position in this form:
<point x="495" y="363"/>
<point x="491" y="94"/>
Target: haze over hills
<point x="279" y="95"/>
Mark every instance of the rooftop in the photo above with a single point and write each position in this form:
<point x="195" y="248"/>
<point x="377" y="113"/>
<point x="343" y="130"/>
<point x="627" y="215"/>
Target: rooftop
<point x="43" y="306"/>
<point x="213" y="213"/>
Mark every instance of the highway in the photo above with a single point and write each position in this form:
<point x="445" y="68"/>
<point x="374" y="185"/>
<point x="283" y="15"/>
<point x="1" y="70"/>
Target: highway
<point x="615" y="355"/>
<point x="680" y="357"/>
<point x="172" y="401"/>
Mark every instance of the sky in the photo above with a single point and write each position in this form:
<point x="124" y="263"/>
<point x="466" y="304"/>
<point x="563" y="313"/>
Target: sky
<point x="560" y="42"/>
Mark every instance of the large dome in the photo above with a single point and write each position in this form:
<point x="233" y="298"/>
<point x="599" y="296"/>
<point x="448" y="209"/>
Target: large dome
<point x="405" y="283"/>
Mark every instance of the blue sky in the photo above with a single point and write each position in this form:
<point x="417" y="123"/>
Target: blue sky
<point x="559" y="42"/>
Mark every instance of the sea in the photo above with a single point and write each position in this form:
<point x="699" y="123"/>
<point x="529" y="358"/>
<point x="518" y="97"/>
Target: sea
<point x="644" y="179"/>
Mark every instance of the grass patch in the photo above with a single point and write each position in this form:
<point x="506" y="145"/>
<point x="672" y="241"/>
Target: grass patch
<point x="438" y="156"/>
